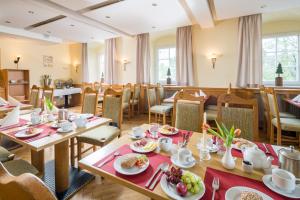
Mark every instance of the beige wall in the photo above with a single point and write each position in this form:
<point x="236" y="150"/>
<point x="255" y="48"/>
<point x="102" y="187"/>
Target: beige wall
<point x="31" y="52"/>
<point x="281" y="27"/>
<point x="221" y="40"/>
<point x="94" y="51"/>
<point x="75" y="57"/>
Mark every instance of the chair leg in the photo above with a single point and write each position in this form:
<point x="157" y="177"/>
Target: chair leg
<point x="155" y="118"/>
<point x="278" y="136"/>
<point x="72" y="151"/>
<point x="78" y="150"/>
<point x="272" y="134"/>
<point x="164" y="119"/>
<point x="138" y="107"/>
<point x="94" y="148"/>
<point x="149" y="117"/>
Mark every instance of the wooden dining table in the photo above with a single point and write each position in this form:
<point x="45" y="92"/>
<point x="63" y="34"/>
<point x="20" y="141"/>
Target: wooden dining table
<point x="199" y="169"/>
<point x="5" y="109"/>
<point x="60" y="141"/>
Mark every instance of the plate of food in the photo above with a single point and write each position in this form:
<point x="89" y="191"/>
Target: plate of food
<point x="143" y="146"/>
<point x="182" y="184"/>
<point x="28" y="132"/>
<point x="245" y="193"/>
<point x="168" y="130"/>
<point x="240" y="143"/>
<point x="131" y="164"/>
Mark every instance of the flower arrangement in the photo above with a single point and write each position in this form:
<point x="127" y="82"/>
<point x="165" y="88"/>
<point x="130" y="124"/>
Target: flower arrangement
<point x="227" y="135"/>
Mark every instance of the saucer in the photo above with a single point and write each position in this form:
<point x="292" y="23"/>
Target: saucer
<point x="213" y="149"/>
<point x="137" y="138"/>
<point x="176" y="162"/>
<point x="60" y="130"/>
<point x="267" y="180"/>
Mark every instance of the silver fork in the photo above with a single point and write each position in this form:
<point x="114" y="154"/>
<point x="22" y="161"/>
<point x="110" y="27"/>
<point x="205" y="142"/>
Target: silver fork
<point x="215" y="186"/>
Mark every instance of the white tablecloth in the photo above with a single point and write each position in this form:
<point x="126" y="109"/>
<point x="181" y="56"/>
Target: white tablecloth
<point x="66" y="91"/>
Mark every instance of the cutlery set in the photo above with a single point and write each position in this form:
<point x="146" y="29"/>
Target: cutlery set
<point x="162" y="168"/>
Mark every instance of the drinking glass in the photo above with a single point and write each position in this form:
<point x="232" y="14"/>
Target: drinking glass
<point x="154" y="127"/>
<point x="204" y="154"/>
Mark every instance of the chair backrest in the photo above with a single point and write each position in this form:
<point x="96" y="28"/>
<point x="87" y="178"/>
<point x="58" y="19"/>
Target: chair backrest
<point x="240" y="113"/>
<point x="160" y="93"/>
<point x="112" y="106"/>
<point x="188" y="111"/>
<point x="272" y="102"/>
<point x="86" y="85"/>
<point x="117" y="87"/>
<point x="25" y="187"/>
<point x="89" y="101"/>
<point x="97" y="86"/>
<point x="126" y="95"/>
<point x="151" y="96"/>
<point x="34" y="96"/>
<point x="136" y="91"/>
<point x="128" y="85"/>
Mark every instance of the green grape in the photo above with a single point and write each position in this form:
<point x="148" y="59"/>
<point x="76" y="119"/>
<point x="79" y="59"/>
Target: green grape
<point x="189" y="186"/>
<point x="192" y="190"/>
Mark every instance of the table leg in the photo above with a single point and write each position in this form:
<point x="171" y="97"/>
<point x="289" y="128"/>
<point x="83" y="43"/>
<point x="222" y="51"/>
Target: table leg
<point x="66" y="101"/>
<point x="62" y="166"/>
<point x="72" y="151"/>
<point x="37" y="160"/>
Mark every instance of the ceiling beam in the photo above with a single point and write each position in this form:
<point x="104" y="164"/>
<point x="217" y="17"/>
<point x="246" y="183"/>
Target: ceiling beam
<point x="79" y="17"/>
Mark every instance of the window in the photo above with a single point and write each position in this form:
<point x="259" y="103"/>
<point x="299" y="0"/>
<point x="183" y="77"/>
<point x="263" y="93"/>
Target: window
<point x="166" y="59"/>
<point x="101" y="65"/>
<point x="284" y="50"/>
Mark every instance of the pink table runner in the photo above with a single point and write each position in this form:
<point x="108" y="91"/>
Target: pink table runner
<point x="176" y="138"/>
<point x="139" y="179"/>
<point x="47" y="131"/>
<point x="228" y="180"/>
<point x="22" y="122"/>
<point x="237" y="153"/>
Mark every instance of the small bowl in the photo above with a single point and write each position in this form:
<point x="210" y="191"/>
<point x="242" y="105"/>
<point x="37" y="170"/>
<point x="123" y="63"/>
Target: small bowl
<point x="247" y="166"/>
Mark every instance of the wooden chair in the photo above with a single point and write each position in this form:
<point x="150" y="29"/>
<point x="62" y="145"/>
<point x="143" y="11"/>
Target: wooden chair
<point x="188" y="112"/>
<point x="154" y="108"/>
<point x="112" y="108"/>
<point x="5" y="155"/>
<point x="281" y="123"/>
<point x="97" y="86"/>
<point x="89" y="101"/>
<point x="22" y="187"/>
<point x="135" y="101"/>
<point x="35" y="96"/>
<point x="117" y="87"/>
<point x="240" y="113"/>
<point x="86" y="85"/>
<point x="126" y="105"/>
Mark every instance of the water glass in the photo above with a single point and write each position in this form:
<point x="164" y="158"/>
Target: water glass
<point x="204" y="154"/>
<point x="154" y="127"/>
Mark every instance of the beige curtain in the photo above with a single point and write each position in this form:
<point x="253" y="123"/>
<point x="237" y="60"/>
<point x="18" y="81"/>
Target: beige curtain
<point x="110" y="70"/>
<point x="184" y="56"/>
<point x="85" y="66"/>
<point x="249" y="50"/>
<point x="143" y="58"/>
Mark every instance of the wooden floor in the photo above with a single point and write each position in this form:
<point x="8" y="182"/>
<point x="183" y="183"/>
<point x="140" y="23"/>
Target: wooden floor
<point x="97" y="189"/>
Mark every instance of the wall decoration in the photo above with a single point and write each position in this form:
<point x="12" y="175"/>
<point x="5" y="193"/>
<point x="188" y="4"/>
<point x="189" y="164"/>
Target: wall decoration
<point x="48" y="61"/>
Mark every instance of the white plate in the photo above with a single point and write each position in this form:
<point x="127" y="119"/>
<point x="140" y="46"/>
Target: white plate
<point x="170" y="190"/>
<point x="60" y="130"/>
<point x="22" y="134"/>
<point x="237" y="148"/>
<point x="267" y="180"/>
<point x="234" y="193"/>
<point x="137" y="138"/>
<point x="169" y="133"/>
<point x="141" y="149"/>
<point x="176" y="162"/>
<point x="132" y="171"/>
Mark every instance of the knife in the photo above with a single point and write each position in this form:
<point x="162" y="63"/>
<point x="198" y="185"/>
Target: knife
<point x="267" y="150"/>
<point x="152" y="177"/>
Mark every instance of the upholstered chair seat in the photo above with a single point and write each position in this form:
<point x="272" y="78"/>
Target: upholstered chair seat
<point x="211" y="115"/>
<point x="285" y="115"/>
<point x="288" y="124"/>
<point x="5" y="155"/>
<point x="18" y="167"/>
<point x="100" y="136"/>
<point x="160" y="109"/>
<point x="212" y="107"/>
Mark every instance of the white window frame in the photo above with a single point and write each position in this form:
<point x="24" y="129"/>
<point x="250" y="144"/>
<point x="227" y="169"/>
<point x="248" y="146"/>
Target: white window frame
<point x="285" y="82"/>
<point x="157" y="64"/>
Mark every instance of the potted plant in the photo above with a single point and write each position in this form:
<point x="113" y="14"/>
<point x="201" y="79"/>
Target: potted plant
<point x="169" y="76"/>
<point x="278" y="79"/>
<point x="227" y="135"/>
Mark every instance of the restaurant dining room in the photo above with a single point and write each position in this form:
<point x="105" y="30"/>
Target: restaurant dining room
<point x="149" y="99"/>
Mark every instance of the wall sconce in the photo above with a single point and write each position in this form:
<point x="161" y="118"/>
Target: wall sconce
<point x="125" y="62"/>
<point x="76" y="68"/>
<point x="17" y="61"/>
<point x="213" y="57"/>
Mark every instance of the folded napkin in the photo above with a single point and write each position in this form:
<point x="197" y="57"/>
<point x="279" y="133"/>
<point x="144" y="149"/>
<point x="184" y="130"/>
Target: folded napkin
<point x="202" y="94"/>
<point x="11" y="118"/>
<point x="297" y="99"/>
<point x="3" y="102"/>
<point x="13" y="102"/>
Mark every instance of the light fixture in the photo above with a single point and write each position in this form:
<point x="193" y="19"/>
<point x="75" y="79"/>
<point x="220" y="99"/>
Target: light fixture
<point x="108" y="17"/>
<point x="154" y="27"/>
<point x="125" y="62"/>
<point x="7" y="22"/>
<point x="213" y="57"/>
<point x="72" y="25"/>
<point x="154" y="4"/>
<point x="30" y="12"/>
<point x="17" y="61"/>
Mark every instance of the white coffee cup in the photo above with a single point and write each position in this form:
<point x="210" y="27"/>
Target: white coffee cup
<point x="185" y="156"/>
<point x="165" y="143"/>
<point x="284" y="180"/>
<point x="35" y="118"/>
<point x="137" y="132"/>
<point x="66" y="126"/>
<point x="80" y="122"/>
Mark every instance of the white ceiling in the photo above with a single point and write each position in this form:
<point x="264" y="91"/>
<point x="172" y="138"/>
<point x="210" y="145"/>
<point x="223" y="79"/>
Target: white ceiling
<point x="127" y="17"/>
<point x="226" y="9"/>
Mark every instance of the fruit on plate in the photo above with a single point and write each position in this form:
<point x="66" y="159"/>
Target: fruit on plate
<point x="192" y="182"/>
<point x="150" y="146"/>
<point x="181" y="189"/>
<point x="174" y="175"/>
